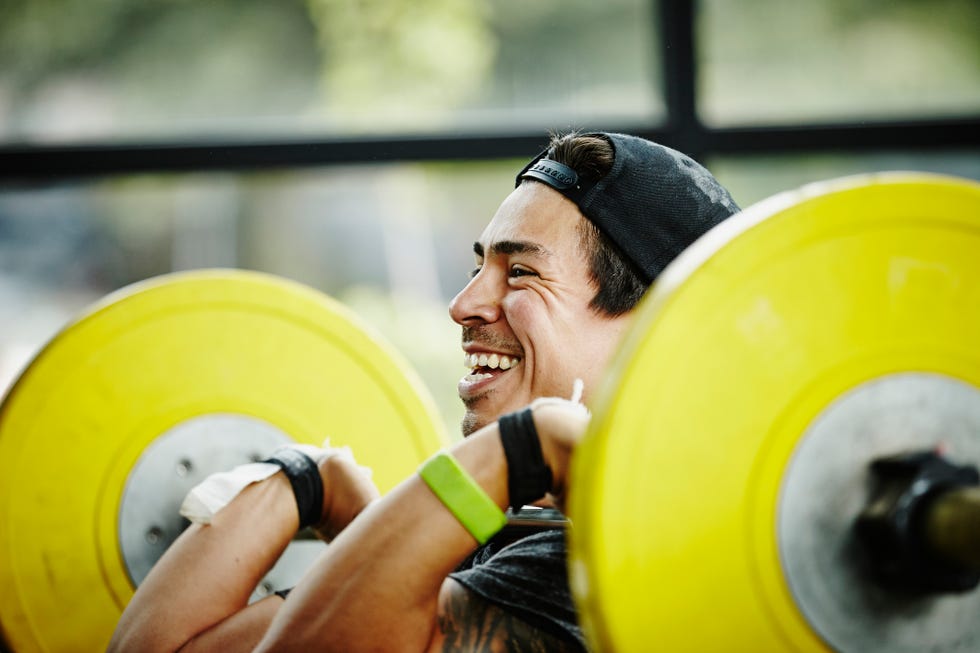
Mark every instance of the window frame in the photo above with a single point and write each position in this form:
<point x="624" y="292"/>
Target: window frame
<point x="682" y="130"/>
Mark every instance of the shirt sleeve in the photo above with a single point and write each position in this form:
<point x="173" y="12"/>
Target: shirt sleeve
<point x="528" y="578"/>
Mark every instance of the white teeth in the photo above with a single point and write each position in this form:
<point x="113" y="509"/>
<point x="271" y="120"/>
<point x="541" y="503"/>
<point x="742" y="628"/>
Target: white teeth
<point x="493" y="361"/>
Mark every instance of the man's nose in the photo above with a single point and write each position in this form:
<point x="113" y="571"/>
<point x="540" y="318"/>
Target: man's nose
<point x="478" y="302"/>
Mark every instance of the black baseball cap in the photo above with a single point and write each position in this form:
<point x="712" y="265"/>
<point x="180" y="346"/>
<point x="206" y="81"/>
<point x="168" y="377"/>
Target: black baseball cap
<point x="653" y="203"/>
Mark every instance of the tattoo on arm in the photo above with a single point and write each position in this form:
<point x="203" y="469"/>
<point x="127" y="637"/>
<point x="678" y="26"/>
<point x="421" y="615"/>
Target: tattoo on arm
<point x="474" y="625"/>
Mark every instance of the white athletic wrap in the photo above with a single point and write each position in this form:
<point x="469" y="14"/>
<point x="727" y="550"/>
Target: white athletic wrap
<point x="204" y="501"/>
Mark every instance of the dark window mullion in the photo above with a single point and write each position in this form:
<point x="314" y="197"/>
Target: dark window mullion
<point x="677" y="40"/>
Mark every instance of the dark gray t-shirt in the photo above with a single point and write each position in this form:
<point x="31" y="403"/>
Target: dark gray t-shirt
<point x="528" y="578"/>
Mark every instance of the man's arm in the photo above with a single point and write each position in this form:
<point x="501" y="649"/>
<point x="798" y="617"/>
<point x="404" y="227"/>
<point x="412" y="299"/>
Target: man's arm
<point x="210" y="571"/>
<point x="379" y="586"/>
<point x="196" y="596"/>
<point x="239" y="632"/>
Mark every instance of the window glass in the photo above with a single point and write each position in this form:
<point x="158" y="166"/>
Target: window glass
<point x="115" y="70"/>
<point x="754" y="178"/>
<point x="765" y="61"/>
<point x="393" y="242"/>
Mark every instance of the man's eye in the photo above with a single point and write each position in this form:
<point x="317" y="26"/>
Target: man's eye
<point x="475" y="271"/>
<point x="517" y="271"/>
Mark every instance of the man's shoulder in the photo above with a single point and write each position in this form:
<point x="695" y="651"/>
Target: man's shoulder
<point x="514" y="544"/>
<point x="523" y="580"/>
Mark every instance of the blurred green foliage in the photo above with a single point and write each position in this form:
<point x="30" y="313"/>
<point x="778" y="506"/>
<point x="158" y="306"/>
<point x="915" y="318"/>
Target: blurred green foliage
<point x="157" y="59"/>
<point x="765" y="61"/>
<point x="366" y="66"/>
<point x="112" y="68"/>
<point x="401" y="56"/>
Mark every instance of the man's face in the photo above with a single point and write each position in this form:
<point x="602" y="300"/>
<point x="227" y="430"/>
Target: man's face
<point x="526" y="309"/>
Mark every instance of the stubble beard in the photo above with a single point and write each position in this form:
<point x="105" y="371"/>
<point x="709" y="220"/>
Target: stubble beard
<point x="470" y="423"/>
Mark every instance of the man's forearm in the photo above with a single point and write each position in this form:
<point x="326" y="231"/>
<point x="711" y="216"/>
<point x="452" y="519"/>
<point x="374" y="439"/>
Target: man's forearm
<point x="208" y="574"/>
<point x="377" y="585"/>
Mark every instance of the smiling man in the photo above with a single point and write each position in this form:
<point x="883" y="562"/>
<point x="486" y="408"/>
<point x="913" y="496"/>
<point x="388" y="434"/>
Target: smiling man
<point x="430" y="567"/>
<point x="529" y="304"/>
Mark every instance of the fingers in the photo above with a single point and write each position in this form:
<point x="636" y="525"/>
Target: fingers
<point x="561" y="424"/>
<point x="348" y="489"/>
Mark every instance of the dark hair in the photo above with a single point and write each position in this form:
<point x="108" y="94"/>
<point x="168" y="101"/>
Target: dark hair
<point x="620" y="283"/>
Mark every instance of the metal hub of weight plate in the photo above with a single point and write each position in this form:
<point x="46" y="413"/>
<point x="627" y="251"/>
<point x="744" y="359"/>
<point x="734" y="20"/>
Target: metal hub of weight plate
<point x="680" y="541"/>
<point x="177" y="460"/>
<point x="154" y="388"/>
<point x="825" y="488"/>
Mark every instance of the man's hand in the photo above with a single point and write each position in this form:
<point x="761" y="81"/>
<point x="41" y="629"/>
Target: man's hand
<point x="347" y="490"/>
<point x="561" y="424"/>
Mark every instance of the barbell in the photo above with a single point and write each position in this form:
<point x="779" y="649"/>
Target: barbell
<point x="782" y="457"/>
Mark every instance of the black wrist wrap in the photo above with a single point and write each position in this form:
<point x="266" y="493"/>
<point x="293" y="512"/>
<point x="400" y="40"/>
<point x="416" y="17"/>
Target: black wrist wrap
<point x="528" y="477"/>
<point x="307" y="485"/>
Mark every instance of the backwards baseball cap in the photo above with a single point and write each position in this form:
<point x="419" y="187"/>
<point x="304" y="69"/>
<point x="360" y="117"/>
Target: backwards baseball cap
<point x="653" y="203"/>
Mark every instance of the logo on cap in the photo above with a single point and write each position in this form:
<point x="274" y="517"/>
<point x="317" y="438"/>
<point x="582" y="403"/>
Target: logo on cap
<point x="553" y="173"/>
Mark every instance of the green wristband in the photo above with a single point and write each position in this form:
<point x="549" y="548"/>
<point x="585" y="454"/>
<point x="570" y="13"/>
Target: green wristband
<point x="463" y="497"/>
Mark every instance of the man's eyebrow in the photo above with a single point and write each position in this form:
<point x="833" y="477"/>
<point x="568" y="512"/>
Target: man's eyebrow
<point x="512" y="247"/>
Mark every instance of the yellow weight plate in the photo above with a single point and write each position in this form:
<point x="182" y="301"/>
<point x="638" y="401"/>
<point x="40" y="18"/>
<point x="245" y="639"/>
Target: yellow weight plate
<point x="151" y="357"/>
<point x="747" y="337"/>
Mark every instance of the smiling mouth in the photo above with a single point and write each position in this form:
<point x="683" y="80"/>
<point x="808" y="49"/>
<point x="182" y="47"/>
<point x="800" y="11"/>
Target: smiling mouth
<point x="484" y="366"/>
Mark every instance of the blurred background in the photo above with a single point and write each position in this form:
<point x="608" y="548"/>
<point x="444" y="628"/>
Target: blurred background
<point x="360" y="147"/>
